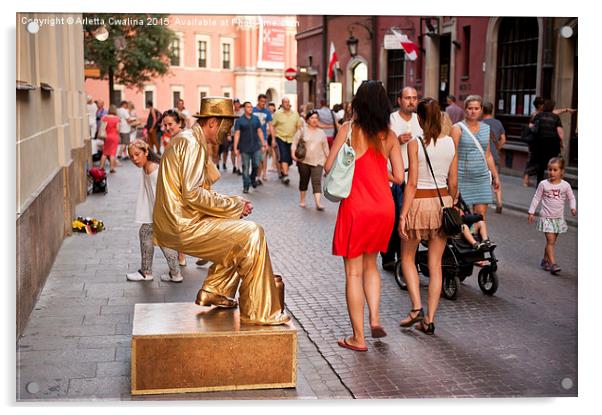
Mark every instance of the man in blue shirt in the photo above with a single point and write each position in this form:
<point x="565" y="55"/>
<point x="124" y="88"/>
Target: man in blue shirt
<point x="249" y="143"/>
<point x="263" y="113"/>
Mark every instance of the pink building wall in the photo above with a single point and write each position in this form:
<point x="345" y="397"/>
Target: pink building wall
<point x="244" y="79"/>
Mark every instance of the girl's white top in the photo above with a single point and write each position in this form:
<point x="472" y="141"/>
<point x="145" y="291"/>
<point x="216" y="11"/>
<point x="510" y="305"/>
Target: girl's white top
<point x="441" y="156"/>
<point x="553" y="198"/>
<point x="146" y="197"/>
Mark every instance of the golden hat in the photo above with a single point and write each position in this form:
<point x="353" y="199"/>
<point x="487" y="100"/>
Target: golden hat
<point x="216" y="107"/>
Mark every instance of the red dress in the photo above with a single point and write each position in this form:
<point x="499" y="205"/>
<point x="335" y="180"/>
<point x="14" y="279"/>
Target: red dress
<point x="112" y="140"/>
<point x="366" y="218"/>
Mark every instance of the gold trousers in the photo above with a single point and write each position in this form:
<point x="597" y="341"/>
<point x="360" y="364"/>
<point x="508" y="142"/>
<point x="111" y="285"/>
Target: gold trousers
<point x="239" y="251"/>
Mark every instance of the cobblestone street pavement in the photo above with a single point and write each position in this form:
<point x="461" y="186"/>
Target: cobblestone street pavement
<point x="520" y="342"/>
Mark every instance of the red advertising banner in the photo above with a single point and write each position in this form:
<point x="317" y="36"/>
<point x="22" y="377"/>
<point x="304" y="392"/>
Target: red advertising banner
<point x="272" y="36"/>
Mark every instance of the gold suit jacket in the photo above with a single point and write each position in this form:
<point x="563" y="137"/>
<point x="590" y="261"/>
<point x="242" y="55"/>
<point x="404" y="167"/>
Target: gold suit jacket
<point x="184" y="198"/>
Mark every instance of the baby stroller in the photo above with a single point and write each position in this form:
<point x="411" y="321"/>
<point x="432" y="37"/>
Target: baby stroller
<point x="97" y="180"/>
<point x="458" y="261"/>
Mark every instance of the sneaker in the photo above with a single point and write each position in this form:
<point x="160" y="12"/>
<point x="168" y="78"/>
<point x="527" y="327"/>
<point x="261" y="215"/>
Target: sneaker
<point x="138" y="276"/>
<point x="254" y="184"/>
<point x="489" y="244"/>
<point x="245" y="190"/>
<point x="169" y="278"/>
<point x="545" y="265"/>
<point x="555" y="269"/>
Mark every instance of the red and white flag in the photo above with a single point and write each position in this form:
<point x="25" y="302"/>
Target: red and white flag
<point x="409" y="47"/>
<point x="333" y="61"/>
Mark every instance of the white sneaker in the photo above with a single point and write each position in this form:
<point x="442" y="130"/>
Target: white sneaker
<point x="169" y="278"/>
<point x="138" y="276"/>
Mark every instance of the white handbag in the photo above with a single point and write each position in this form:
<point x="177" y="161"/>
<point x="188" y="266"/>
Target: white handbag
<point x="337" y="184"/>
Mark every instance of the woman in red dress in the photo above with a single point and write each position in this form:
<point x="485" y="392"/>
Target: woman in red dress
<point x="366" y="218"/>
<point x="112" y="139"/>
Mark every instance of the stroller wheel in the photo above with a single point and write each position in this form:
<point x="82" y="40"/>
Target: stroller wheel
<point x="488" y="281"/>
<point x="451" y="287"/>
<point x="399" y="276"/>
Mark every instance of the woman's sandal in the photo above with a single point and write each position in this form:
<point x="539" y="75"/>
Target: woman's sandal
<point x="412" y="320"/>
<point x="427" y="328"/>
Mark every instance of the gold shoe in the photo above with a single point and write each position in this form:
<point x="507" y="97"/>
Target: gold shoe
<point x="206" y="298"/>
<point x="281" y="318"/>
<point x="280" y="287"/>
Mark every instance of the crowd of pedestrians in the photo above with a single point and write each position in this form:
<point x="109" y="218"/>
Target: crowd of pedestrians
<point x="409" y="163"/>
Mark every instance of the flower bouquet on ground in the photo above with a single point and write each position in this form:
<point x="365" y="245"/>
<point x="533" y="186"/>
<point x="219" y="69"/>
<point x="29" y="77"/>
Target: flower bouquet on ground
<point x="87" y="225"/>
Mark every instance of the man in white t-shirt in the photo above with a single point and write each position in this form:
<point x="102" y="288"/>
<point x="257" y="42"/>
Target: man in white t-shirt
<point x="124" y="127"/>
<point x="404" y="124"/>
<point x="184" y="112"/>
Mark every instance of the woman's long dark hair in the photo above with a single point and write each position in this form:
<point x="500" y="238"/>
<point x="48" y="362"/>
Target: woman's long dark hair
<point x="430" y="119"/>
<point x="372" y="111"/>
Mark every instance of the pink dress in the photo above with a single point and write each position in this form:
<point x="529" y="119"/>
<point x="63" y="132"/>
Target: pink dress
<point x="366" y="218"/>
<point x="112" y="140"/>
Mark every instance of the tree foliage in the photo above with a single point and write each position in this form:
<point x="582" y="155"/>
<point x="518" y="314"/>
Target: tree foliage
<point x="134" y="53"/>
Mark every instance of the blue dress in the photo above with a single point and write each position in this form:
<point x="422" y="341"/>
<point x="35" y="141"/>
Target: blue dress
<point x="473" y="174"/>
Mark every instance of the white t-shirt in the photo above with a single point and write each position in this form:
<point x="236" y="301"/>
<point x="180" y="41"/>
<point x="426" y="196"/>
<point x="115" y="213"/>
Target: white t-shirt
<point x="146" y="197"/>
<point x="91" y="110"/>
<point x="124" y="115"/>
<point x="441" y="156"/>
<point x="400" y="126"/>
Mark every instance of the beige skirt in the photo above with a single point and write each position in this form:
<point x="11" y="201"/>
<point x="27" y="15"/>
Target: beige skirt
<point x="424" y="217"/>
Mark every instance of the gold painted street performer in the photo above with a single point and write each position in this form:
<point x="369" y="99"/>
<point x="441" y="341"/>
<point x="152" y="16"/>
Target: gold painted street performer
<point x="191" y="218"/>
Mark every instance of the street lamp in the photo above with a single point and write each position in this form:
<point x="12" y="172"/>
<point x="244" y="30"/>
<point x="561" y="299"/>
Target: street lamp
<point x="352" y="45"/>
<point x="352" y="41"/>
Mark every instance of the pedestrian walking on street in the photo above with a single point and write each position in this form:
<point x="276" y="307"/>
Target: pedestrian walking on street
<point x="125" y="128"/>
<point x="406" y="127"/>
<point x="109" y="148"/>
<point x="153" y="128"/>
<point x="328" y="121"/>
<point x="143" y="157"/>
<point x="420" y="217"/>
<point x="248" y="143"/>
<point x="455" y="112"/>
<point x="312" y="164"/>
<point x="552" y="194"/>
<point x="263" y="113"/>
<point x="498" y="139"/>
<point x="476" y="166"/>
<point x="549" y="136"/>
<point x="286" y="123"/>
<point x="366" y="217"/>
<point x="91" y="110"/>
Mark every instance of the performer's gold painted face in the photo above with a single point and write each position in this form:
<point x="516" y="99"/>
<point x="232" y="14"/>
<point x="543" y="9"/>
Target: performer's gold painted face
<point x="224" y="129"/>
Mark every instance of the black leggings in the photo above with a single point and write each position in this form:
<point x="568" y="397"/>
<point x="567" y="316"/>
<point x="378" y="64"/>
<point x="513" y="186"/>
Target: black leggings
<point x="305" y="172"/>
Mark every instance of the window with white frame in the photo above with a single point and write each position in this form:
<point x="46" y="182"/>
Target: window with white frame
<point x="117" y="94"/>
<point x="177" y="48"/>
<point x="177" y="93"/>
<point x="227" y="91"/>
<point x="203" y="91"/>
<point x="227" y="52"/>
<point x="149" y="95"/>
<point x="203" y="51"/>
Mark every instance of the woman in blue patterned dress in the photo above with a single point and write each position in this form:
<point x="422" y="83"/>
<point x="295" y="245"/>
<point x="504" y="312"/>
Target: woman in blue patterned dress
<point x="476" y="167"/>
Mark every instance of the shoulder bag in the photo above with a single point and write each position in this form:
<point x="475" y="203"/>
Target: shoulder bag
<point x="301" y="149"/>
<point x="102" y="131"/>
<point x="479" y="147"/>
<point x="451" y="221"/>
<point x="337" y="184"/>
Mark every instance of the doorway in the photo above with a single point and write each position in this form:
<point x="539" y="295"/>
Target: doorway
<point x="444" y="68"/>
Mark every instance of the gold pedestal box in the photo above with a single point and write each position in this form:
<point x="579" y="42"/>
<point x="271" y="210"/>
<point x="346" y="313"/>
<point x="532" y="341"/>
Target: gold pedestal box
<point x="182" y="347"/>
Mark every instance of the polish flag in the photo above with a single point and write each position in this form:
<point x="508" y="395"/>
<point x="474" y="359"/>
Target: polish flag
<point x="332" y="62"/>
<point x="409" y="47"/>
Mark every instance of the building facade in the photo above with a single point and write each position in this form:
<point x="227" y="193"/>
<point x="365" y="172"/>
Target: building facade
<point x="53" y="147"/>
<point x="507" y="60"/>
<point x="233" y="56"/>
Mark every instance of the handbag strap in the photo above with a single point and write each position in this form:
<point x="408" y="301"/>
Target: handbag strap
<point x="479" y="146"/>
<point x="349" y="131"/>
<point x="428" y="160"/>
